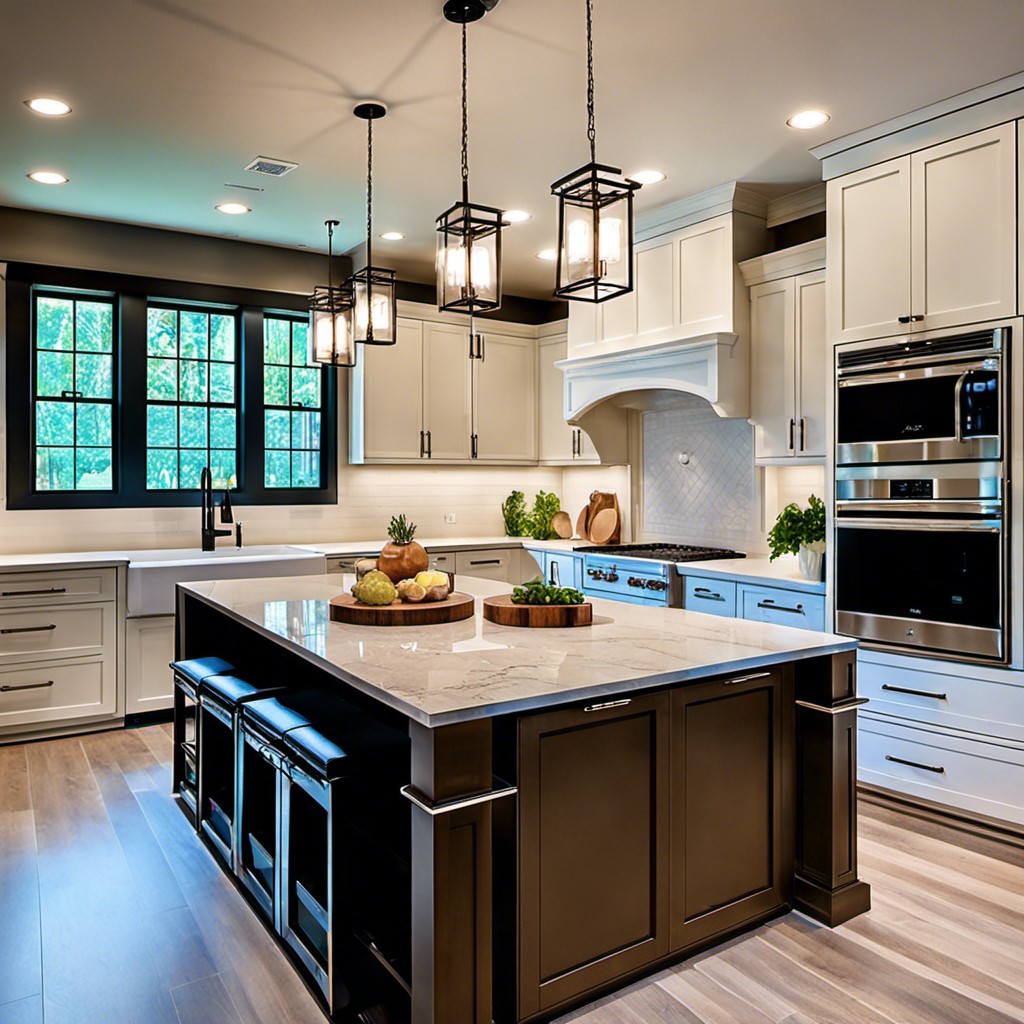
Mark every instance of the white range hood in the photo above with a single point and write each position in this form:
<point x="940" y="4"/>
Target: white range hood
<point x="601" y="390"/>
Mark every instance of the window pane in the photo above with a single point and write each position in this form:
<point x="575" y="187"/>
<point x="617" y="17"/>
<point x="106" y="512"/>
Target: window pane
<point x="306" y="387"/>
<point x="162" y="426"/>
<point x="95" y="327"/>
<point x="92" y="425"/>
<point x="194" y="339"/>
<point x="162" y="334"/>
<point x="305" y="469"/>
<point x="193" y="426"/>
<point x="55" y="320"/>
<point x="55" y="373"/>
<point x="277" y="434"/>
<point x="306" y="430"/>
<point x="162" y="379"/>
<point x="94" y="375"/>
<point x="222" y="338"/>
<point x="275" y="385"/>
<point x="277" y="469"/>
<point x="193" y="381"/>
<point x="93" y="470"/>
<point x="161" y="469"/>
<point x="55" y="423"/>
<point x="222" y="468"/>
<point x="222" y="382"/>
<point x="190" y="465"/>
<point x="55" y="469"/>
<point x="222" y="428"/>
<point x="300" y="344"/>
<point x="276" y="341"/>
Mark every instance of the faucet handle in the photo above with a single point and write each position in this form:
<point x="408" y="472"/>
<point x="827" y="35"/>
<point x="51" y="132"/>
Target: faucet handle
<point x="226" y="515"/>
<point x="238" y="534"/>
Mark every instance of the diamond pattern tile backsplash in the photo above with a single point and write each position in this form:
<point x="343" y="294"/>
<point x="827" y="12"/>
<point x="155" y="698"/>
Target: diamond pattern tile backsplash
<point x="713" y="498"/>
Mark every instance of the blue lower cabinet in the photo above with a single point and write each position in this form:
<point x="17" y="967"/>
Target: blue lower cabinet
<point x="564" y="569"/>
<point x="782" y="607"/>
<point x="707" y="594"/>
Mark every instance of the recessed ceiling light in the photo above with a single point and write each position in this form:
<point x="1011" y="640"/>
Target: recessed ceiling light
<point x="809" y="119"/>
<point x="233" y="208"/>
<point x="548" y="254"/>
<point x="48" y="106"/>
<point x="392" y="236"/>
<point x="516" y="216"/>
<point x="49" y="177"/>
<point x="647" y="177"/>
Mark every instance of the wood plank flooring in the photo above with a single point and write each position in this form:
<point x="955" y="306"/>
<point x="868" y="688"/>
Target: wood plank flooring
<point x="102" y="885"/>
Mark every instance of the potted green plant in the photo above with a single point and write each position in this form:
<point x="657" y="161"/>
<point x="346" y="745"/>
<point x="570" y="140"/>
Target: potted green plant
<point x="801" y="532"/>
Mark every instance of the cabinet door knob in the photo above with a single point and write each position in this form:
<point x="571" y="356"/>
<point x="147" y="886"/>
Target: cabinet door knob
<point x="912" y="318"/>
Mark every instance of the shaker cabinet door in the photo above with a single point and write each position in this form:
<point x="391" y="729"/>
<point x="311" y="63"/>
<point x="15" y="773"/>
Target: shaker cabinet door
<point x="389" y="384"/>
<point x="505" y="405"/>
<point x="447" y="395"/>
<point x="813" y="362"/>
<point x="772" y="368"/>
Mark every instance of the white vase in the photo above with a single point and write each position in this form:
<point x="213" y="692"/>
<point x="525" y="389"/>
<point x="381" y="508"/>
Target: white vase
<point x="811" y="559"/>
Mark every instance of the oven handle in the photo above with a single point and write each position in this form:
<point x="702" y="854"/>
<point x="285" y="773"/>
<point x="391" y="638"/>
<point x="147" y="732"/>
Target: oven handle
<point x="957" y="392"/>
<point x="913" y="373"/>
<point x="946" y="525"/>
<point x="886" y="508"/>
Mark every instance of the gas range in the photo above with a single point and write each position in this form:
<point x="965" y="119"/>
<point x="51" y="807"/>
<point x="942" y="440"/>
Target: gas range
<point x="642" y="573"/>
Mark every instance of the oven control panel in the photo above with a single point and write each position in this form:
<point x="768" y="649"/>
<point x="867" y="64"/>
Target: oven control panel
<point x="912" y="489"/>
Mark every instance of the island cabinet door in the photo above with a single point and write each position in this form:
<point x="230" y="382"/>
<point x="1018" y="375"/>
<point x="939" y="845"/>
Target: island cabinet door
<point x="593" y="846"/>
<point x="730" y="858"/>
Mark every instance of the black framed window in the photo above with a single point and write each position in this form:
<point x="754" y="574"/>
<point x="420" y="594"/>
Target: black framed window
<point x="73" y="381"/>
<point x="192" y="396"/>
<point x="121" y="388"/>
<point x="292" y="405"/>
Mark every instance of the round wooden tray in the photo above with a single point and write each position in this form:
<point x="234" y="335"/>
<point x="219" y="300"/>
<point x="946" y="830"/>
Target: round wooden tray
<point x="502" y="611"/>
<point x="345" y="608"/>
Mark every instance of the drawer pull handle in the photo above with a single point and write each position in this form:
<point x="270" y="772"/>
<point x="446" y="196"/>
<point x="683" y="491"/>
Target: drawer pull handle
<point x="7" y="688"/>
<point x="938" y="769"/>
<point x="424" y="803"/>
<point x="609" y="704"/>
<point x="707" y="595"/>
<point x="28" y="593"/>
<point x="773" y="607"/>
<point x="29" y="629"/>
<point x="745" y="679"/>
<point x="913" y="693"/>
<point x="485" y="561"/>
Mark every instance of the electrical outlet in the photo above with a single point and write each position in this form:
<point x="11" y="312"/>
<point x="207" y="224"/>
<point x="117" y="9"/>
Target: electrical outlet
<point x="449" y="517"/>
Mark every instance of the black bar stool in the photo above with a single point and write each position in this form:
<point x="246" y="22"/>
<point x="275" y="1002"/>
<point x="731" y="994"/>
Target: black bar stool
<point x="221" y="698"/>
<point x="187" y="677"/>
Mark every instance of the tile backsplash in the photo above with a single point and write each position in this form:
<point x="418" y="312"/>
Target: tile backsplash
<point x="699" y="481"/>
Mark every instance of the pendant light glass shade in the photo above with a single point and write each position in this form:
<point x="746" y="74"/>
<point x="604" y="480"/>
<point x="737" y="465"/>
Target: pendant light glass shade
<point x="372" y="318"/>
<point x="330" y="308"/>
<point x="595" y="218"/>
<point x="595" y="230"/>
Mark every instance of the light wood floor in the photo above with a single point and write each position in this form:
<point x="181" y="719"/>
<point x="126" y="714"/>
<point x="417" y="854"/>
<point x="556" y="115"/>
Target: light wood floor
<point x="102" y="884"/>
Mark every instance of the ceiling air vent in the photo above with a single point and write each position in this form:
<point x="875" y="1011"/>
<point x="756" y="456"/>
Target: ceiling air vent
<point x="268" y="165"/>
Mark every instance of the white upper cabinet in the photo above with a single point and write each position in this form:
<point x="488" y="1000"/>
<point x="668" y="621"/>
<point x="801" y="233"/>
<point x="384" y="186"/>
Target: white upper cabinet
<point x="390" y="389"/>
<point x="925" y="241"/>
<point x="685" y="285"/>
<point x="505" y="398"/>
<point x="813" y="364"/>
<point x="447" y="391"/>
<point x="559" y="443"/>
<point x="773" y="367"/>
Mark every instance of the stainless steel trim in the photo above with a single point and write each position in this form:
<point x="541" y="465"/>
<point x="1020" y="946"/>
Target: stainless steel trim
<point x="221" y="714"/>
<point x="939" y="449"/>
<point x="29" y="629"/>
<point x="938" y="769"/>
<point x="372" y="946"/>
<point x="860" y="489"/>
<point x="916" y="635"/>
<point x="835" y="709"/>
<point x="897" y="506"/>
<point x="921" y="523"/>
<point x="609" y="704"/>
<point x="424" y="803"/>
<point x="9" y="688"/>
<point x="913" y="693"/>
<point x="855" y="377"/>
<point x="745" y="679"/>
<point x="32" y="593"/>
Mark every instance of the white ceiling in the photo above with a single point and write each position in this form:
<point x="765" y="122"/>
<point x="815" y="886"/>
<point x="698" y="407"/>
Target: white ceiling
<point x="173" y="97"/>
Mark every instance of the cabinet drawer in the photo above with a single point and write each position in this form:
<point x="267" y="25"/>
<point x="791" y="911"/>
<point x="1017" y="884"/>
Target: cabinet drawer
<point x="32" y="588"/>
<point x="490" y="565"/>
<point x="982" y="777"/>
<point x="984" y="706"/>
<point x="344" y="563"/>
<point x="442" y="560"/>
<point x="783" y="607"/>
<point x="706" y="594"/>
<point x="47" y="633"/>
<point x="569" y="571"/>
<point x="53" y="693"/>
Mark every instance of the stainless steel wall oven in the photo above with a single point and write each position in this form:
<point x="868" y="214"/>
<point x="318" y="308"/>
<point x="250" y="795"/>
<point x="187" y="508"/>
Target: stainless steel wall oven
<point x="922" y="542"/>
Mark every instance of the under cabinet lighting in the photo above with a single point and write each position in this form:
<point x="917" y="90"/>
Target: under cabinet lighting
<point x="48" y="106"/>
<point x="233" y="208"/>
<point x="49" y="177"/>
<point x="809" y="119"/>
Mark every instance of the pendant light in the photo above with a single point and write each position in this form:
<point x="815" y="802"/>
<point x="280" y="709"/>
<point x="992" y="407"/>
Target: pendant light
<point x="595" y="218"/>
<point x="469" y="235"/>
<point x="373" y="313"/>
<point x="330" y="337"/>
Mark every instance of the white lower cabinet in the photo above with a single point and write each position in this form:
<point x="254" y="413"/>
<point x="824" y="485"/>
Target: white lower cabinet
<point x="490" y="564"/>
<point x="149" y="650"/>
<point x="50" y="695"/>
<point x="945" y="732"/>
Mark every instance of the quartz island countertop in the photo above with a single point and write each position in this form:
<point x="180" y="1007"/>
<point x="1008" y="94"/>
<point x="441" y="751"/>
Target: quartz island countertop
<point x="441" y="674"/>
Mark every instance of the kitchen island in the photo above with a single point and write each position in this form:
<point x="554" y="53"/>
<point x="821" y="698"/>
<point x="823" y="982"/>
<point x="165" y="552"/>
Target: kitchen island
<point x="586" y="804"/>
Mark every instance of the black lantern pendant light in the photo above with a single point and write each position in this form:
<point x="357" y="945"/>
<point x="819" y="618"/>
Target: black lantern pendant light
<point x="595" y="218"/>
<point x="330" y="336"/>
<point x="468" y="235"/>
<point x="373" y="313"/>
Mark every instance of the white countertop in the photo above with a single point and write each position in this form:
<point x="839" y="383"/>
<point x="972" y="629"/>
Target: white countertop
<point x="474" y="669"/>
<point x="783" y="572"/>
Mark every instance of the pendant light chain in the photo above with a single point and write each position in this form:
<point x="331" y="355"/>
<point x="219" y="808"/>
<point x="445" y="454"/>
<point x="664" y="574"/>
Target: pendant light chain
<point x="591" y="132"/>
<point x="465" y="119"/>
<point x="369" y="230"/>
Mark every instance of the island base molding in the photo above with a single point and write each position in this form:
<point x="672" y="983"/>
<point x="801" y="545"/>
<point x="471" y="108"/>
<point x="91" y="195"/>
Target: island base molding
<point x="831" y="906"/>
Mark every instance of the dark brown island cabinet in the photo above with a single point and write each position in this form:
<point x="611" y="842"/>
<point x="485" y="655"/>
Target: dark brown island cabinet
<point x="567" y="836"/>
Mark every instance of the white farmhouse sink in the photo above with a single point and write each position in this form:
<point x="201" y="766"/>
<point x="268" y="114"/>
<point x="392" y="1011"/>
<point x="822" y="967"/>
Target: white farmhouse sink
<point x="152" y="575"/>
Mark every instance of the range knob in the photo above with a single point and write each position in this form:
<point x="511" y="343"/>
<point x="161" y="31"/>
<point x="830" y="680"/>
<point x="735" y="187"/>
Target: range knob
<point x="612" y="575"/>
<point x="594" y="573"/>
<point x="634" y="582"/>
<point x="657" y="585"/>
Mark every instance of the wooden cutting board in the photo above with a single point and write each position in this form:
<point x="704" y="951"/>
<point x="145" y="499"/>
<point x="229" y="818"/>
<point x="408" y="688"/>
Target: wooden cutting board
<point x="599" y="502"/>
<point x="561" y="524"/>
<point x="503" y="612"/>
<point x="604" y="526"/>
<point x="345" y="608"/>
<point x="581" y="522"/>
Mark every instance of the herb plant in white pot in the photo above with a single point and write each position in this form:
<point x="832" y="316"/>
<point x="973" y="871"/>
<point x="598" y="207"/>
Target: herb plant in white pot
<point x="801" y="532"/>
